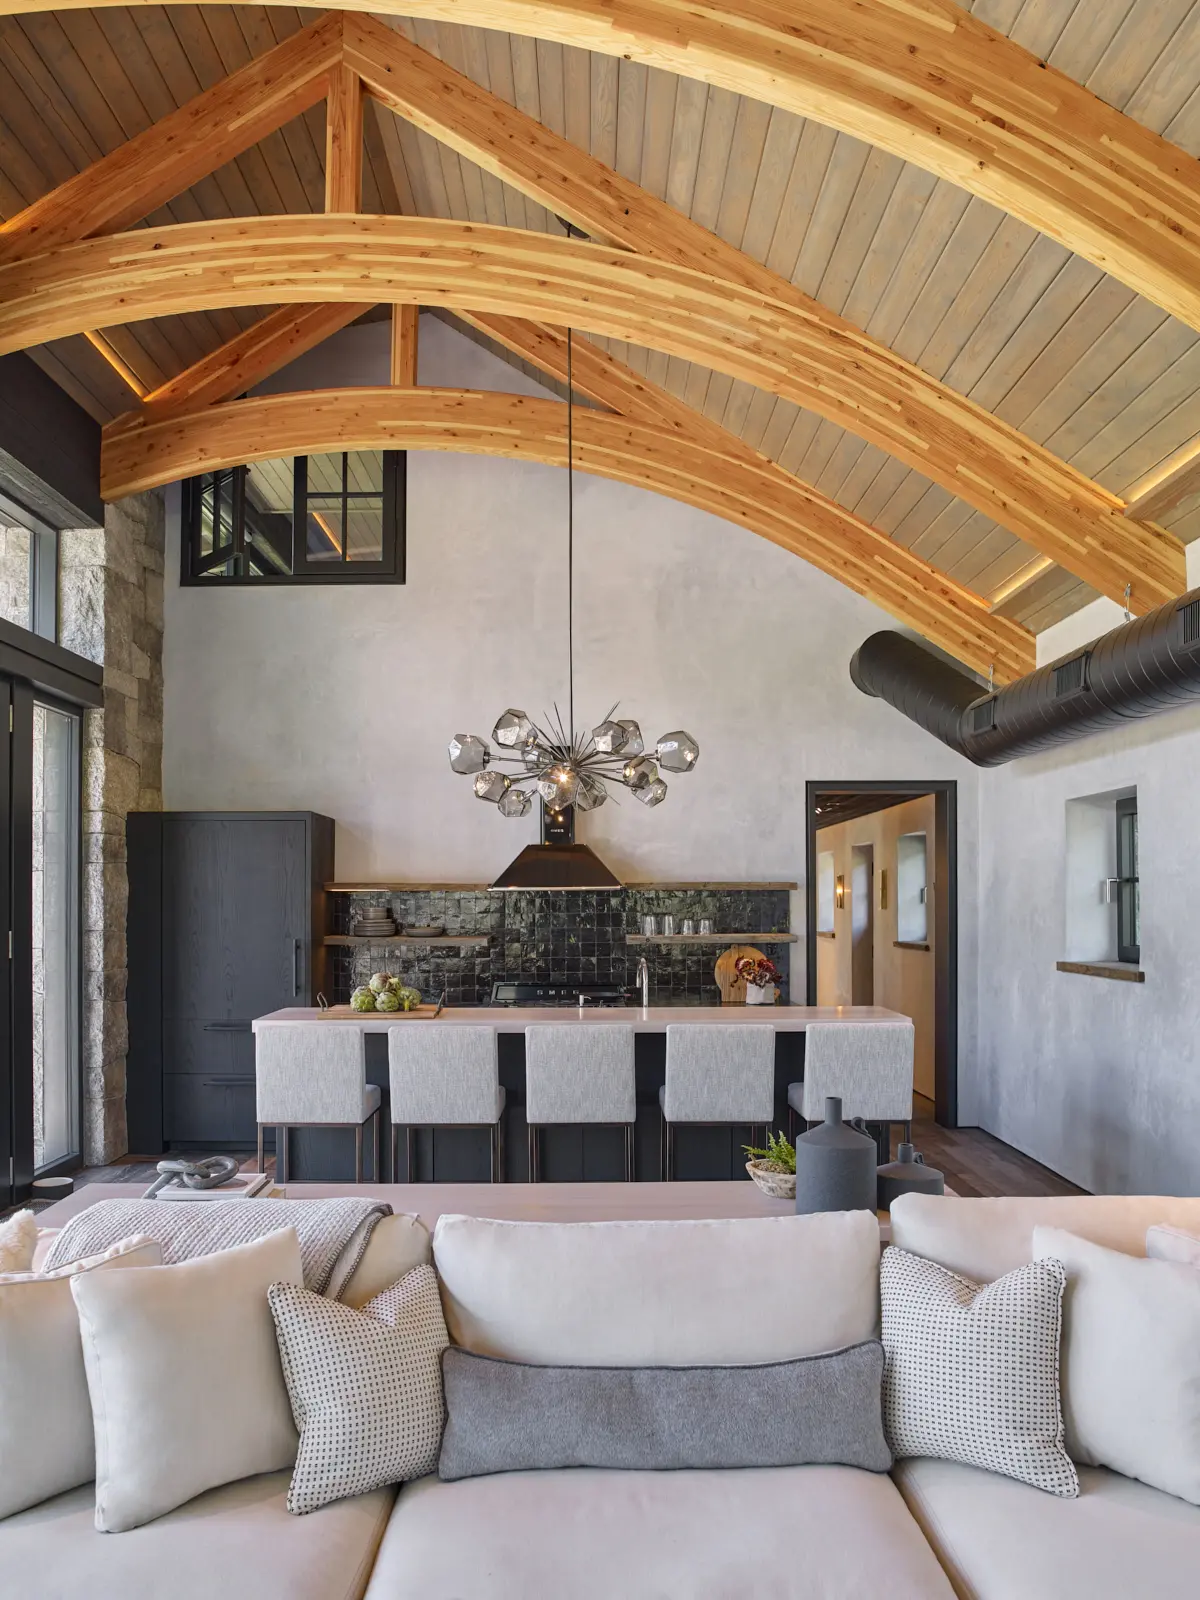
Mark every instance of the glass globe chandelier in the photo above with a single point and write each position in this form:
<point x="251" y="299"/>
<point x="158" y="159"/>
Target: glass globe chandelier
<point x="559" y="764"/>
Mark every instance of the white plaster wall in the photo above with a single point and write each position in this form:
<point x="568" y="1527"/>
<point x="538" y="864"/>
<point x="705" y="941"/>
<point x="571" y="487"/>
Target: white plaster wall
<point x="1098" y="1079"/>
<point x="342" y="700"/>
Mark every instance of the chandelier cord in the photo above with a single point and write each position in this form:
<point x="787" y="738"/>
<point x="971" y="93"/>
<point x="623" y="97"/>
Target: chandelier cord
<point x="570" y="548"/>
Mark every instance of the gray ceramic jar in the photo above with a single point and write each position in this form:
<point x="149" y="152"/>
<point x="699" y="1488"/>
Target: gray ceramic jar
<point x="835" y="1166"/>
<point x="908" y="1174"/>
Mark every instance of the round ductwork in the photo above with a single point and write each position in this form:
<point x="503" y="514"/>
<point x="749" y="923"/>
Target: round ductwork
<point x="1147" y="666"/>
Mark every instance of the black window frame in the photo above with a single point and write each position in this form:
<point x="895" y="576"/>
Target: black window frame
<point x="1129" y="946"/>
<point x="200" y="571"/>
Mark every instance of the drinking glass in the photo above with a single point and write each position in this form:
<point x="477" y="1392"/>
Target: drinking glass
<point x="668" y="925"/>
<point x="706" y="925"/>
<point x="648" y="927"/>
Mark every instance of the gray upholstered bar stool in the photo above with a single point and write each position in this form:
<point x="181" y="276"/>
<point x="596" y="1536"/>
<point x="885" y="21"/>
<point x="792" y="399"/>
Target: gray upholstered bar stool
<point x="717" y="1073"/>
<point x="445" y="1075"/>
<point x="579" y="1073"/>
<point x="868" y="1065"/>
<point x="314" y="1075"/>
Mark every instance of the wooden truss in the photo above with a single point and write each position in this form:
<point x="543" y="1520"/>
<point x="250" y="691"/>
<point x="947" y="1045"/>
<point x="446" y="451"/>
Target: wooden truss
<point x="644" y="273"/>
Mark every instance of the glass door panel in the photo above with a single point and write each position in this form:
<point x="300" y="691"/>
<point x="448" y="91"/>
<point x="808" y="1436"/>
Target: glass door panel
<point x="55" y="935"/>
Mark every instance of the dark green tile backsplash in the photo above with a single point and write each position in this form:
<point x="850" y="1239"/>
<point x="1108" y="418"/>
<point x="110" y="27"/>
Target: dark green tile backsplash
<point x="564" y="937"/>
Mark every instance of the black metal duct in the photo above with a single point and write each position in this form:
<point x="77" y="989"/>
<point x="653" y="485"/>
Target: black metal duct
<point x="1146" y="666"/>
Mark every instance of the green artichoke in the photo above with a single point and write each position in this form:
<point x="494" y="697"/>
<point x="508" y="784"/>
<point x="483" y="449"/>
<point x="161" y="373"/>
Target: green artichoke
<point x="409" y="999"/>
<point x="363" y="999"/>
<point x="387" y="1001"/>
<point x="381" y="981"/>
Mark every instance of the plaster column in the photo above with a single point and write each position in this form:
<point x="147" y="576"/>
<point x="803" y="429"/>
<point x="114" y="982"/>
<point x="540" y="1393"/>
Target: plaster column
<point x="111" y="611"/>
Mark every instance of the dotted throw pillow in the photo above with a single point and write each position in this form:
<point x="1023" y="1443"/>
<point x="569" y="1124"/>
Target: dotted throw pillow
<point x="971" y="1370"/>
<point x="365" y="1386"/>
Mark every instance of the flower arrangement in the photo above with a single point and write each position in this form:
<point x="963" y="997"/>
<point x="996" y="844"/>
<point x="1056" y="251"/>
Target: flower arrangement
<point x="758" y="971"/>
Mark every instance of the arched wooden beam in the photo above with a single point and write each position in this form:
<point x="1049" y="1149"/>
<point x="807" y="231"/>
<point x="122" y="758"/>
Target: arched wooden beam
<point x="156" y="272"/>
<point x="924" y="80"/>
<point x="137" y="455"/>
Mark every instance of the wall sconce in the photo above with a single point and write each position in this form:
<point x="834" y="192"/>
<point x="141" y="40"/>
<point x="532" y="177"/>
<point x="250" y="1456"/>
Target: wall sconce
<point x="839" y="891"/>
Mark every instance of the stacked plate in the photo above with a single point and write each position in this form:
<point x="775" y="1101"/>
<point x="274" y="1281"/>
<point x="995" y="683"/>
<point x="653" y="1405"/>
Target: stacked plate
<point x="377" y="923"/>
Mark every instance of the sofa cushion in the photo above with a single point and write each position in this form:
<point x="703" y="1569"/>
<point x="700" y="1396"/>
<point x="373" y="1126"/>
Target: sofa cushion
<point x="635" y="1294"/>
<point x="1130" y="1362"/>
<point x="237" y="1540"/>
<point x="365" y="1386"/>
<point x="506" y="1416"/>
<point x="1001" y="1540"/>
<point x="983" y="1239"/>
<point x="183" y="1371"/>
<point x="971" y="1372"/>
<point x="1173" y="1244"/>
<point x="46" y="1440"/>
<point x="764" y="1533"/>
<point x="397" y="1244"/>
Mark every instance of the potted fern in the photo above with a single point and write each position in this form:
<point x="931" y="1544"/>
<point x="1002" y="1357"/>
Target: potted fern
<point x="773" y="1168"/>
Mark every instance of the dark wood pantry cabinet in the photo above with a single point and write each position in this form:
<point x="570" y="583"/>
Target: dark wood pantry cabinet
<point x="226" y="921"/>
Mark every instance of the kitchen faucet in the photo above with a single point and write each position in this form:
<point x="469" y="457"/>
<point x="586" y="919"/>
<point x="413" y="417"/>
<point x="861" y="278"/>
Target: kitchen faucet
<point x="643" y="981"/>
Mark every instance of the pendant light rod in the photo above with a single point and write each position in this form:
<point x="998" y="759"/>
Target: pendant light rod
<point x="570" y="545"/>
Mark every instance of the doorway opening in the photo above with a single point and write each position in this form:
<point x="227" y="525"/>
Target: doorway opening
<point x="882" y="914"/>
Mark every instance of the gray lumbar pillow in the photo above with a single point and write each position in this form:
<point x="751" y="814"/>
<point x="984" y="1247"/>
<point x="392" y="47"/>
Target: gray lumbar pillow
<point x="503" y="1416"/>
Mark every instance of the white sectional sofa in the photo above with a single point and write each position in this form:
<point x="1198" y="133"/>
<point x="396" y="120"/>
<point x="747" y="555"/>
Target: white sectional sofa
<point x="930" y="1531"/>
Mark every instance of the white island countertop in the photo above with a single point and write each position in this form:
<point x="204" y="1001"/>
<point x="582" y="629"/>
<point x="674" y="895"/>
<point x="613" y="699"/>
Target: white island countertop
<point x="643" y="1019"/>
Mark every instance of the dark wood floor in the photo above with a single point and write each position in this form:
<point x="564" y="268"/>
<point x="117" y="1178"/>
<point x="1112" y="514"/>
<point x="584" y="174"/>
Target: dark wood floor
<point x="974" y="1163"/>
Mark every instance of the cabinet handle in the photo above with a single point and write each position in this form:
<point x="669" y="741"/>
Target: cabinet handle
<point x="227" y="1083"/>
<point x="227" y="1027"/>
<point x="295" y="968"/>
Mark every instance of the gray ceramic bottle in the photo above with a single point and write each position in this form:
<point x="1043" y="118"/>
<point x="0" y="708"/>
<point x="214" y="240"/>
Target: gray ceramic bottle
<point x="835" y="1166"/>
<point x="908" y="1174"/>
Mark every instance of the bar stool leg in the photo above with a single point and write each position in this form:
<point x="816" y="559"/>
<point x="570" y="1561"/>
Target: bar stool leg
<point x="395" y="1152"/>
<point x="662" y="1149"/>
<point x="410" y="1152"/>
<point x="358" y="1144"/>
<point x="281" y="1143"/>
<point x="533" y="1153"/>
<point x="670" y="1152"/>
<point x="376" y="1118"/>
<point x="260" y="1146"/>
<point x="500" y="1173"/>
<point x="629" y="1152"/>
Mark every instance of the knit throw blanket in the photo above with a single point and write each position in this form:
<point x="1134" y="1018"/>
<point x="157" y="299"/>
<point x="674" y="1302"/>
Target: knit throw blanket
<point x="333" y="1234"/>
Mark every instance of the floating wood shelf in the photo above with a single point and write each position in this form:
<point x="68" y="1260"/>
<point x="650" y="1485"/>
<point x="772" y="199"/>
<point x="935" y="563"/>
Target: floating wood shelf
<point x="406" y="938"/>
<point x="712" y="938"/>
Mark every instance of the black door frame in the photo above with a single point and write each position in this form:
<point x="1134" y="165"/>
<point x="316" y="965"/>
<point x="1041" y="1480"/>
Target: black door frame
<point x="30" y="668"/>
<point x="945" y="917"/>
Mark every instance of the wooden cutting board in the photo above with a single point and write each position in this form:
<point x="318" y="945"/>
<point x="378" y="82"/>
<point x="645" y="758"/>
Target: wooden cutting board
<point x="348" y="1013"/>
<point x="733" y="988"/>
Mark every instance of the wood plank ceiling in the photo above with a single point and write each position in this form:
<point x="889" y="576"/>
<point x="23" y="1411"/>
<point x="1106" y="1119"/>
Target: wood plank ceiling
<point x="1040" y="337"/>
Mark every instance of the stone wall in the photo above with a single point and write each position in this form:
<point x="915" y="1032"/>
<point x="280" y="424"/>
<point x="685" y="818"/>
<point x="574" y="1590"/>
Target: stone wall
<point x="111" y="611"/>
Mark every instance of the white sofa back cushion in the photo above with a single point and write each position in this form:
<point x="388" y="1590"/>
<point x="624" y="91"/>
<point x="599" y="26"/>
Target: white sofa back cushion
<point x="984" y="1239"/>
<point x="633" y="1294"/>
<point x="1131" y="1362"/>
<point x="183" y="1370"/>
<point x="46" y="1443"/>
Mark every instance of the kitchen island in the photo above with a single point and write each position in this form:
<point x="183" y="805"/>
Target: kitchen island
<point x="568" y="1154"/>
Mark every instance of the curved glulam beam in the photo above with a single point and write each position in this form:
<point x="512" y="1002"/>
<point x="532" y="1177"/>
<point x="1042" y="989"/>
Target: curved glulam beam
<point x="155" y="272"/>
<point x="137" y="455"/>
<point x="921" y="78"/>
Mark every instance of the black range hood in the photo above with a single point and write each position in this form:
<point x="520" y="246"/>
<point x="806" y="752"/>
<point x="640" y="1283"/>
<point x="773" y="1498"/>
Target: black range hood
<point x="558" y="862"/>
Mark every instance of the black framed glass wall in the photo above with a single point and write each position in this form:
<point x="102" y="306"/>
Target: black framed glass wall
<point x="44" y="691"/>
<point x="333" y="518"/>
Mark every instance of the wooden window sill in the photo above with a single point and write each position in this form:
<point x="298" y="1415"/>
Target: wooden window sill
<point x="1122" y="971"/>
<point x="908" y="944"/>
